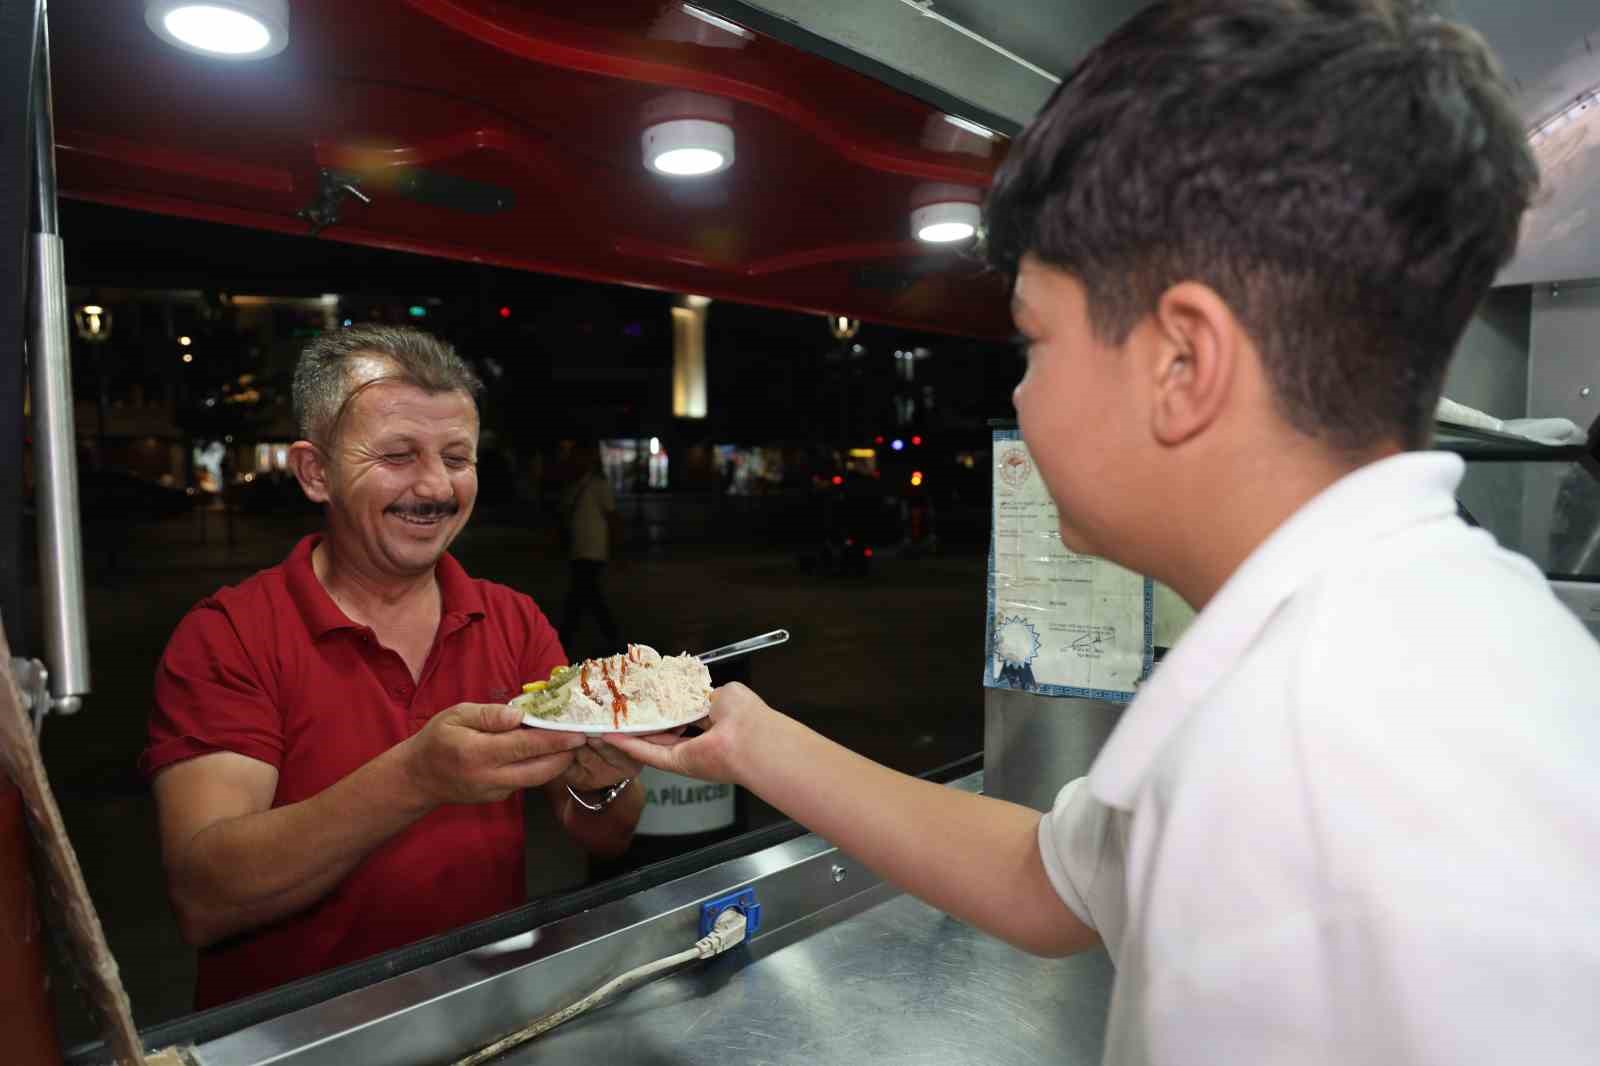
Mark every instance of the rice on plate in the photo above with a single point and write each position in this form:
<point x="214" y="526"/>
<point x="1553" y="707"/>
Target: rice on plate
<point x="637" y="689"/>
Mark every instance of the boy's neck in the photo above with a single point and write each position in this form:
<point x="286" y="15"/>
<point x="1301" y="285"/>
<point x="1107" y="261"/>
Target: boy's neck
<point x="1222" y="519"/>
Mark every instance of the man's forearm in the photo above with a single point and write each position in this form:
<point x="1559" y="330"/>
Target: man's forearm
<point x="244" y="872"/>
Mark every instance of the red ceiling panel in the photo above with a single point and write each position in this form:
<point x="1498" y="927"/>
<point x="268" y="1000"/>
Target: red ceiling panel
<point x="542" y="106"/>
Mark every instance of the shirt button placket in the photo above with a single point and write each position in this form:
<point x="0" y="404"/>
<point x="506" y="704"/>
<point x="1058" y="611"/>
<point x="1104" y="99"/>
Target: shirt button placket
<point x="400" y="688"/>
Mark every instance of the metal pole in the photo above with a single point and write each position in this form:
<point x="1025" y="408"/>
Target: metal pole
<point x="19" y="20"/>
<point x="55" y="446"/>
<point x="44" y="132"/>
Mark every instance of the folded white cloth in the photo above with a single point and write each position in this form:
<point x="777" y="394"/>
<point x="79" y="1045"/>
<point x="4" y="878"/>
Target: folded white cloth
<point x="1547" y="430"/>
<point x="1539" y="430"/>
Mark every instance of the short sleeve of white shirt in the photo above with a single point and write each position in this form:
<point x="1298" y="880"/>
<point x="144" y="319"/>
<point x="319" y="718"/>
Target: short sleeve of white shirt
<point x="1083" y="844"/>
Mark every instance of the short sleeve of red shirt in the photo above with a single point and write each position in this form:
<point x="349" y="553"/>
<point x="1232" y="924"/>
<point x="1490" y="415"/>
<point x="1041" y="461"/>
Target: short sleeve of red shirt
<point x="210" y="697"/>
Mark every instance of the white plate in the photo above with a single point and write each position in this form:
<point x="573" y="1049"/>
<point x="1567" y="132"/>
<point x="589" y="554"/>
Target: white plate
<point x="598" y="730"/>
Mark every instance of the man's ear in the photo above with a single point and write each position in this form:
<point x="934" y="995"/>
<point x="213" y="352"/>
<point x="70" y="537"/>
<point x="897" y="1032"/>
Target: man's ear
<point x="310" y="469"/>
<point x="1201" y="344"/>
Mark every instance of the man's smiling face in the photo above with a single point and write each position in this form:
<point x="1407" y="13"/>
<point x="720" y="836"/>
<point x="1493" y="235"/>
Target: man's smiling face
<point x="401" y="476"/>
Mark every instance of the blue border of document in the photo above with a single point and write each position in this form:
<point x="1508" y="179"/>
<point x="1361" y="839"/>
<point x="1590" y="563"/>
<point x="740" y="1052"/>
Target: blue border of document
<point x="993" y="680"/>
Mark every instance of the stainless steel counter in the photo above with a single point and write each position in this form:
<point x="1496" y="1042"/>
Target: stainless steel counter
<point x="897" y="983"/>
<point x="844" y="969"/>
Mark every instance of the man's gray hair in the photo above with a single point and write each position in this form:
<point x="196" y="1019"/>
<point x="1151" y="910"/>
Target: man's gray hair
<point x="324" y="384"/>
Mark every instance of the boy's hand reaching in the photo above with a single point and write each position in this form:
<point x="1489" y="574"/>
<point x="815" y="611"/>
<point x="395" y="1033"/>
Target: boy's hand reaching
<point x="720" y="753"/>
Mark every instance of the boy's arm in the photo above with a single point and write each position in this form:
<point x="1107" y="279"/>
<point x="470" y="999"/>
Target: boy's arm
<point x="974" y="857"/>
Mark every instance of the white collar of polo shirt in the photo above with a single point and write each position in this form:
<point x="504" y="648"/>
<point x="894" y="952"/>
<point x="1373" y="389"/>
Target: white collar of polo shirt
<point x="1378" y="499"/>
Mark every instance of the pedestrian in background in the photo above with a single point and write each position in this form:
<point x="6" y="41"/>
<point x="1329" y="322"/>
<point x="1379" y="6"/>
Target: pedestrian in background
<point x="589" y="508"/>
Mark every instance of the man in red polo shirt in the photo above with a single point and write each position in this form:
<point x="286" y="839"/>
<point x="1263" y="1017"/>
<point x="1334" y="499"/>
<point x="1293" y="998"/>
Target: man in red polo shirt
<point x="336" y="771"/>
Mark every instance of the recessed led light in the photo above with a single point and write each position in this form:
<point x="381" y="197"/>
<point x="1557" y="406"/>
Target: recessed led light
<point x="222" y="29"/>
<point x="688" y="162"/>
<point x="945" y="232"/>
<point x="686" y="148"/>
<point x="945" y="223"/>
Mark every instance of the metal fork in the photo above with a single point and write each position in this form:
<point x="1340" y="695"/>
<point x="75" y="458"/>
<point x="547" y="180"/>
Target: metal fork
<point x="744" y="647"/>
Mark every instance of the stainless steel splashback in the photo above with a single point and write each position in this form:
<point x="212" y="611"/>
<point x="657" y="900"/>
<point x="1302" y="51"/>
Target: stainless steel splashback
<point x="1032" y="745"/>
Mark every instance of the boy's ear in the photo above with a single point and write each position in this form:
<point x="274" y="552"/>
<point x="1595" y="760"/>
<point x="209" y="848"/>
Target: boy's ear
<point x="310" y="469"/>
<point x="1200" y="346"/>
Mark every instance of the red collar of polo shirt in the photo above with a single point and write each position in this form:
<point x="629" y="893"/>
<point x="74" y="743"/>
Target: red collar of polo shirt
<point x="460" y="598"/>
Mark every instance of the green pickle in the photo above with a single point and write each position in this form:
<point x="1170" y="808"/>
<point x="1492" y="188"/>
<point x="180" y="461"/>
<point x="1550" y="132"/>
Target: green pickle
<point x="552" y="699"/>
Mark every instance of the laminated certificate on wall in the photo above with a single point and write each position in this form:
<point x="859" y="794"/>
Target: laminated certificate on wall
<point x="1060" y="624"/>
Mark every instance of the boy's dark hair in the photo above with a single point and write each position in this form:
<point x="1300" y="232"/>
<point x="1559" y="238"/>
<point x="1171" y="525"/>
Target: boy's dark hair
<point x="1349" y="175"/>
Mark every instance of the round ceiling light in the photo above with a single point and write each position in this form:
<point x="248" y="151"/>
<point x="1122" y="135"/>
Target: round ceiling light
<point x="222" y="29"/>
<point x="688" y="147"/>
<point x="945" y="223"/>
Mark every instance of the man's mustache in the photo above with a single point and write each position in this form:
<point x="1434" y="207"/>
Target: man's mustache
<point x="423" y="509"/>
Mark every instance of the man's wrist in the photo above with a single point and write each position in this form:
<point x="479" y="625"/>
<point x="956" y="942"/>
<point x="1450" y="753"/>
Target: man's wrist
<point x="599" y="799"/>
<point x="413" y="795"/>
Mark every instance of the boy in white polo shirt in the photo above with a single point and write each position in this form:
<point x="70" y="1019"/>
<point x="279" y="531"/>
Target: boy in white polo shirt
<point x="1354" y="817"/>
